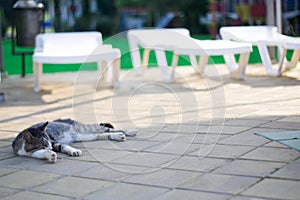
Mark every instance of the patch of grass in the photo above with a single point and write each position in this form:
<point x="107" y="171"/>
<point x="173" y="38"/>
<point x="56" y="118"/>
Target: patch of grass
<point x="12" y="63"/>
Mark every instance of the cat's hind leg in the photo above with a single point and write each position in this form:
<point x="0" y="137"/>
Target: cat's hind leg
<point x="115" y="136"/>
<point x="66" y="149"/>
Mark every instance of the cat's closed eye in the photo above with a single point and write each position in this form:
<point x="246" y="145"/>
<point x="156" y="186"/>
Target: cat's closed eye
<point x="44" y="141"/>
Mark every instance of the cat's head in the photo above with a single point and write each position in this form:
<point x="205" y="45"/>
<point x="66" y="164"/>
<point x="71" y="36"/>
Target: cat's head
<point x="36" y="138"/>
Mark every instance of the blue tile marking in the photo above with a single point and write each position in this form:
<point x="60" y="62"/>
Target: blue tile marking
<point x="288" y="138"/>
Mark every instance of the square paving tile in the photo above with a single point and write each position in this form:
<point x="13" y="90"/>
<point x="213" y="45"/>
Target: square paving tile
<point x="245" y="122"/>
<point x="290" y="171"/>
<point x="26" y="179"/>
<point x="219" y="129"/>
<point x="221" y="151"/>
<point x="21" y="162"/>
<point x="112" y="172"/>
<point x="194" y="163"/>
<point x="163" y="178"/>
<point x="33" y="196"/>
<point x="130" y="144"/>
<point x="178" y="194"/>
<point x="145" y="159"/>
<point x="73" y="186"/>
<point x="249" y="168"/>
<point x="4" y="171"/>
<point x="7" y="192"/>
<point x="101" y="155"/>
<point x="172" y="147"/>
<point x="127" y="191"/>
<point x="274" y="188"/>
<point x="244" y="139"/>
<point x="272" y="154"/>
<point x="66" y="167"/>
<point x="245" y="198"/>
<point x="220" y="183"/>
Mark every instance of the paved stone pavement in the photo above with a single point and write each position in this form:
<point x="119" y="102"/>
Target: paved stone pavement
<point x="196" y="136"/>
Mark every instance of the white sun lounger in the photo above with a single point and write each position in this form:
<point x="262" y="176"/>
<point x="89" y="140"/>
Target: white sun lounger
<point x="71" y="48"/>
<point x="180" y="43"/>
<point x="263" y="37"/>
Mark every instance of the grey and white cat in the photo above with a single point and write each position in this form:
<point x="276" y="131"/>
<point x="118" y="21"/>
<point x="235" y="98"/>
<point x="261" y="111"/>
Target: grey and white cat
<point x="42" y="140"/>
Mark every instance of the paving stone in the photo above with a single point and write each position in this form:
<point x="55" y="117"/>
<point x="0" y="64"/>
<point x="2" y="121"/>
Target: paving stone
<point x="274" y="188"/>
<point x="282" y="125"/>
<point x="34" y="196"/>
<point x="26" y="179"/>
<point x="4" y="171"/>
<point x="101" y="155"/>
<point x="163" y="178"/>
<point x="290" y="171"/>
<point x="127" y="191"/>
<point x="220" y="183"/>
<point x="66" y="167"/>
<point x="193" y="163"/>
<point x="221" y="151"/>
<point x="145" y="159"/>
<point x="72" y="186"/>
<point x="21" y="162"/>
<point x="219" y="129"/>
<point x="275" y="144"/>
<point x="245" y="122"/>
<point x="129" y="145"/>
<point x="272" y="154"/>
<point x="245" y="198"/>
<point x="5" y="144"/>
<point x="6" y="192"/>
<point x="112" y="172"/>
<point x="244" y="139"/>
<point x="160" y="136"/>
<point x="249" y="168"/>
<point x="172" y="147"/>
<point x="178" y="194"/>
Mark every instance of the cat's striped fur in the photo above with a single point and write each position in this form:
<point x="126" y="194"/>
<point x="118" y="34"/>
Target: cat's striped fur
<point x="42" y="140"/>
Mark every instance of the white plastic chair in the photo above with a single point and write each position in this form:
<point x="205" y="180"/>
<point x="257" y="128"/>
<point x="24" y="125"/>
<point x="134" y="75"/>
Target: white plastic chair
<point x="264" y="37"/>
<point x="180" y="42"/>
<point x="71" y="48"/>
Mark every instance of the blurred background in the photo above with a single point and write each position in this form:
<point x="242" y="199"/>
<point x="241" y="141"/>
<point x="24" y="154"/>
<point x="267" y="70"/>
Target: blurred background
<point x="202" y="17"/>
<point x="113" y="16"/>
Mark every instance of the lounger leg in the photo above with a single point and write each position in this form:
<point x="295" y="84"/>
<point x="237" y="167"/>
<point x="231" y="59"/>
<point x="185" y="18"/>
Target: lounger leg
<point x="266" y="60"/>
<point x="230" y="62"/>
<point x="202" y="63"/>
<point x="282" y="60"/>
<point x="174" y="65"/>
<point x="146" y="58"/>
<point x="37" y="73"/>
<point x="101" y="65"/>
<point x="295" y="58"/>
<point x="240" y="72"/>
<point x="115" y="72"/>
<point x="162" y="63"/>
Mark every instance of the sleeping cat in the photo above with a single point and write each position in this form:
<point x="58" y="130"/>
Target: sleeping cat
<point x="44" y="139"/>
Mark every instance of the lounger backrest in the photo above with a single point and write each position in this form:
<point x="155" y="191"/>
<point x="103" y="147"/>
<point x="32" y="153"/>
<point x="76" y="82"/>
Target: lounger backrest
<point x="78" y="42"/>
<point x="251" y="34"/>
<point x="150" y="38"/>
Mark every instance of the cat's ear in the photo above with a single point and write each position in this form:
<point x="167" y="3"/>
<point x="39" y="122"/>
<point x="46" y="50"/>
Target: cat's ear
<point x="43" y="126"/>
<point x="27" y="135"/>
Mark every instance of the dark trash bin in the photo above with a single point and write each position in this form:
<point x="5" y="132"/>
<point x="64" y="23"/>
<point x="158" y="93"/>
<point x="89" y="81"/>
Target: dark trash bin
<point x="27" y="20"/>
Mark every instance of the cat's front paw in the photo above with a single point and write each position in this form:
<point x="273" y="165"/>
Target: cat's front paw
<point x="120" y="137"/>
<point x="52" y="156"/>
